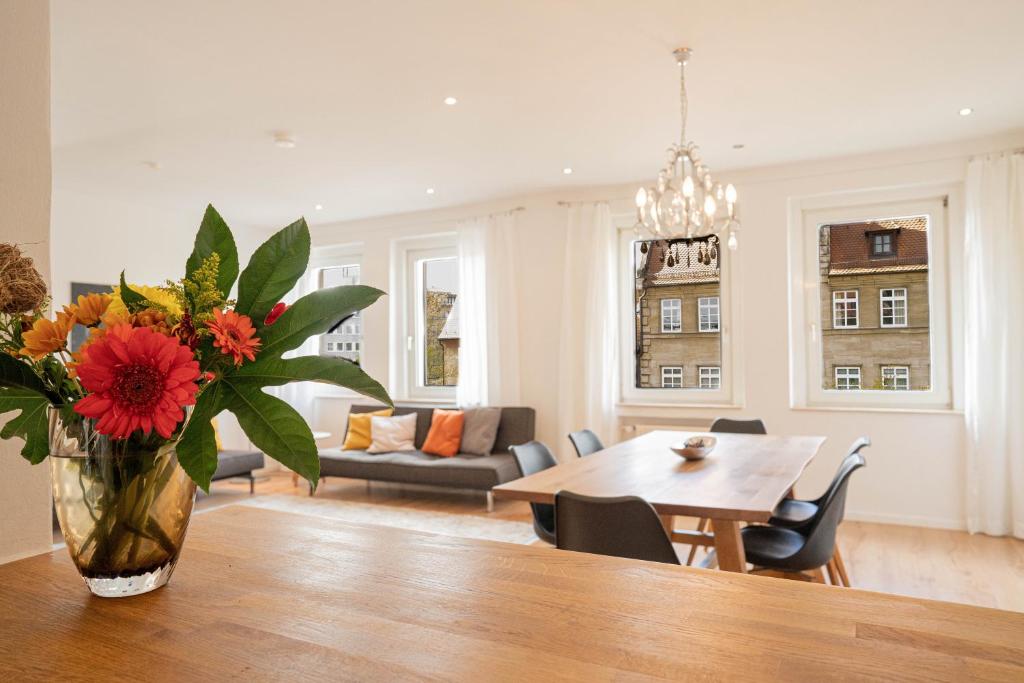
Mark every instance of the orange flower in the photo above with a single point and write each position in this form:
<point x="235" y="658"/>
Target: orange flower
<point x="233" y="335"/>
<point x="47" y="336"/>
<point x="90" y="308"/>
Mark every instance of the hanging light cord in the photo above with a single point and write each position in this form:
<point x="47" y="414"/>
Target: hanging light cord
<point x="682" y="102"/>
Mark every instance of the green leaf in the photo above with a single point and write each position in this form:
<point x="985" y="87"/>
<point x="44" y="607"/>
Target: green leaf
<point x="197" y="449"/>
<point x="273" y="270"/>
<point x="314" y="314"/>
<point x="275" y="428"/>
<point x="338" y="371"/>
<point x="214" y="236"/>
<point x="16" y="374"/>
<point x="32" y="423"/>
<point x="132" y="300"/>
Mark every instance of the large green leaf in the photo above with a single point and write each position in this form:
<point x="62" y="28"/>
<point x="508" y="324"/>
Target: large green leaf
<point x="197" y="449"/>
<point x="275" y="428"/>
<point x="273" y="270"/>
<point x="31" y="424"/>
<point x="314" y="314"/>
<point x="17" y="374"/>
<point x="214" y="236"/>
<point x="267" y="372"/>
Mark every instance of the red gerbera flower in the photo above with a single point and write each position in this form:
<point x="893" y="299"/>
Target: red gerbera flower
<point x="137" y="379"/>
<point x="275" y="313"/>
<point x="234" y="335"/>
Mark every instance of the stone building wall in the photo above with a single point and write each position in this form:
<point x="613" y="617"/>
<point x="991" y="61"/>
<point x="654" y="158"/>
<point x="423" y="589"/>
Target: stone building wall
<point x="688" y="348"/>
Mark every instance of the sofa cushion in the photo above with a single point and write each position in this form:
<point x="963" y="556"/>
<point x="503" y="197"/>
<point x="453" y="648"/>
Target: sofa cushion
<point x="393" y="433"/>
<point x="516" y="426"/>
<point x="417" y="467"/>
<point x="237" y="463"/>
<point x="357" y="434"/>
<point x="445" y="434"/>
<point x="480" y="430"/>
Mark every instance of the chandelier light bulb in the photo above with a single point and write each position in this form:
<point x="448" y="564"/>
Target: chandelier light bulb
<point x="641" y="198"/>
<point x="688" y="186"/>
<point x="733" y="241"/>
<point x="730" y="193"/>
<point x="709" y="205"/>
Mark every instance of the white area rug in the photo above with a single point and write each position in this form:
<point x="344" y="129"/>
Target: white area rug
<point x="462" y="526"/>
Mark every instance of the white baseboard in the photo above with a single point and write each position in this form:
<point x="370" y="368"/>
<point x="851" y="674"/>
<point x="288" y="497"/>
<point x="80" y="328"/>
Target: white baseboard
<point x="907" y="520"/>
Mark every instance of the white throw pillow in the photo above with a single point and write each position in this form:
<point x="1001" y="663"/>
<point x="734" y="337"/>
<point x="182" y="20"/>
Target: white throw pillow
<point x="390" y="434"/>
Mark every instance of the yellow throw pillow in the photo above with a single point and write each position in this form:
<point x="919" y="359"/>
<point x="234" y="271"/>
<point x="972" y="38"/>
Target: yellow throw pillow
<point x="216" y="435"/>
<point x="358" y="437"/>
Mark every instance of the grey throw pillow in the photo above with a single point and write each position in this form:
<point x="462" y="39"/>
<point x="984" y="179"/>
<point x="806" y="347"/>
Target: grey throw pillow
<point x="479" y="430"/>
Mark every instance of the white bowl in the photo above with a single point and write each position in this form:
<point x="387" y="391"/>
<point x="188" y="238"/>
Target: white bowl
<point x="695" y="448"/>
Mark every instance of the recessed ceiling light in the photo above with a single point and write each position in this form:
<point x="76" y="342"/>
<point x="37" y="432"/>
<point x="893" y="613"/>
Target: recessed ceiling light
<point x="319" y="207"/>
<point x="966" y="111"/>
<point x="567" y="171"/>
<point x="283" y="140"/>
<point x="430" y="190"/>
<point x="738" y="145"/>
<point x="450" y="101"/>
<point x="152" y="165"/>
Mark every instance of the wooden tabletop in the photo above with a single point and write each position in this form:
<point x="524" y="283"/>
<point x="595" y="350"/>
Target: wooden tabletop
<point x="742" y="479"/>
<point x="263" y="595"/>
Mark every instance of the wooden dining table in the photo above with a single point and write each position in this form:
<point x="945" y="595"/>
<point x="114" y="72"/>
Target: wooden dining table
<point x="261" y="595"/>
<point x="742" y="480"/>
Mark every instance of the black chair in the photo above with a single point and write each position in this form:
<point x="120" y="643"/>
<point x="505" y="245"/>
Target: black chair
<point x="811" y="547"/>
<point x="624" y="526"/>
<point x="728" y="426"/>
<point x="585" y="442"/>
<point x="793" y="514"/>
<point x="534" y="457"/>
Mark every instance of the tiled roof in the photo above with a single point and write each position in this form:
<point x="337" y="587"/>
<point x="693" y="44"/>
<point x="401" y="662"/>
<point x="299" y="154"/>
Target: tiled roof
<point x="850" y="247"/>
<point x="686" y="267"/>
<point x="451" y="325"/>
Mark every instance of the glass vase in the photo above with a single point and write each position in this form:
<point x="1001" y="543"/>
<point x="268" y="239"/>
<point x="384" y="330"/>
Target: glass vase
<point x="123" y="505"/>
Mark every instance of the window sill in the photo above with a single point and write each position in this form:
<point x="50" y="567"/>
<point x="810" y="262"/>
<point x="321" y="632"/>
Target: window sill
<point x="637" y="407"/>
<point x="909" y="410"/>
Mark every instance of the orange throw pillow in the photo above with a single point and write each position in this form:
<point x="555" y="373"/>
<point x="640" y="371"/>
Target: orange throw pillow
<point x="358" y="437"/>
<point x="445" y="435"/>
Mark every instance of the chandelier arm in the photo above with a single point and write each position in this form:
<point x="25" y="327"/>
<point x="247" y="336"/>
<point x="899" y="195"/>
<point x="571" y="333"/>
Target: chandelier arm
<point x="683" y="104"/>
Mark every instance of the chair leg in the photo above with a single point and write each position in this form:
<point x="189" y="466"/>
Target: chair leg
<point x="702" y="524"/>
<point x="817" y="575"/>
<point x="252" y="484"/>
<point x="490" y="501"/>
<point x="833" y="573"/>
<point x="837" y="559"/>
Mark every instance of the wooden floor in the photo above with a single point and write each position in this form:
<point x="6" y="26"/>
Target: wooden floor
<point x="927" y="563"/>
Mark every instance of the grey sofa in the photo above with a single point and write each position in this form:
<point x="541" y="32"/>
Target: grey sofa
<point x="461" y="471"/>
<point x="232" y="464"/>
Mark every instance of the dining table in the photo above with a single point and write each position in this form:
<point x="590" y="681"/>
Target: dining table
<point x="741" y="480"/>
<point x="264" y="595"/>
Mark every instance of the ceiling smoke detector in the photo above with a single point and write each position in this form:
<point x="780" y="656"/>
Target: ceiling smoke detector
<point x="284" y="140"/>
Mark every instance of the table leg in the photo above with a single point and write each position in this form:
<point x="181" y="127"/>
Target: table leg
<point x="295" y="479"/>
<point x="668" y="522"/>
<point x="729" y="546"/>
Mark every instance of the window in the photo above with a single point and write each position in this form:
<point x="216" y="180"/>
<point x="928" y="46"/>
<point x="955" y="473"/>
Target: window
<point x="710" y="377"/>
<point x="894" y="307"/>
<point x="896" y="377"/>
<point x="343" y="340"/>
<point x="847" y="378"/>
<point x="671" y="315"/>
<point x="882" y="243"/>
<point x="672" y="377"/>
<point x="439" y="335"/>
<point x="707" y="310"/>
<point x="844" y="309"/>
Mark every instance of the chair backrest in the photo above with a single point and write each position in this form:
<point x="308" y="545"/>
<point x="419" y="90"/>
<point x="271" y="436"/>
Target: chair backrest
<point x="532" y="457"/>
<point x="586" y="442"/>
<point x="729" y="426"/>
<point x="821" y="530"/>
<point x="624" y="526"/>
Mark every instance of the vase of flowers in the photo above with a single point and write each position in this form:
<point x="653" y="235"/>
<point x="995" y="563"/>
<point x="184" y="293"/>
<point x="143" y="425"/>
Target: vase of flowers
<point x="126" y="418"/>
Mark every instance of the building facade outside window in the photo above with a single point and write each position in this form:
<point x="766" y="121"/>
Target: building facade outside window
<point x="896" y="377"/>
<point x="710" y="377"/>
<point x="847" y="378"/>
<point x="672" y="377"/>
<point x="708" y="312"/>
<point x="894" y="307"/>
<point x="845" y="305"/>
<point x="671" y="315"/>
<point x="343" y="341"/>
<point x="440" y="334"/>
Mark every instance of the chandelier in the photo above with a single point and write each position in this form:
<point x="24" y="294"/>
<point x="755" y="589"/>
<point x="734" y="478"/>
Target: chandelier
<point x="686" y="202"/>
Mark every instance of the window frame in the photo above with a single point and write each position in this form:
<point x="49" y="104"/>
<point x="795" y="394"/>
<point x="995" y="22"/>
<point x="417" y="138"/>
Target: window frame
<point x="341" y="261"/>
<point x="943" y="204"/>
<point x="846" y="300"/>
<point x="677" y="309"/>
<point x="717" y="314"/>
<point x="849" y="371"/>
<point x="674" y="375"/>
<point x="882" y="234"/>
<point x="716" y="375"/>
<point x="894" y="368"/>
<point x="322" y="258"/>
<point x="882" y="298"/>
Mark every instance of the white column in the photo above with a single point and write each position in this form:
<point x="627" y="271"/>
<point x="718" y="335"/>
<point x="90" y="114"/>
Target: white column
<point x="25" y="516"/>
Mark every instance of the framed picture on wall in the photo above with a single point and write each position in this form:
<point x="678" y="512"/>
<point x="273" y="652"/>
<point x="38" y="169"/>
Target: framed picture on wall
<point x="79" y="333"/>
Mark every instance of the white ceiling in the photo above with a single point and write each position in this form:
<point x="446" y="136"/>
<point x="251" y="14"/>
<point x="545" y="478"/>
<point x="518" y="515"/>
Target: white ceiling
<point x="199" y="86"/>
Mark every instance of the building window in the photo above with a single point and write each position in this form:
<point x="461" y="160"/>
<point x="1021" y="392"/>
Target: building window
<point x="894" y="307"/>
<point x="847" y="378"/>
<point x="672" y="377"/>
<point x="343" y="340"/>
<point x="439" y="334"/>
<point x="844" y="309"/>
<point x="708" y="312"/>
<point x="883" y="244"/>
<point x="671" y="315"/>
<point x="710" y="377"/>
<point x="896" y="377"/>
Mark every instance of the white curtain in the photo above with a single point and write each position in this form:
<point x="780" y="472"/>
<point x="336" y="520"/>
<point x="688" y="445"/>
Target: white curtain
<point x="488" y="312"/>
<point x="994" y="344"/>
<point x="588" y="353"/>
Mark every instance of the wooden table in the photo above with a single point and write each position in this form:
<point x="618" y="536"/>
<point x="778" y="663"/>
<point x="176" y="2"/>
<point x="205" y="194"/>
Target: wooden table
<point x="742" y="480"/>
<point x="262" y="595"/>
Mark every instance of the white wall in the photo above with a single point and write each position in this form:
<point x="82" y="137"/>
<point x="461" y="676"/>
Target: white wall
<point x="916" y="464"/>
<point x="25" y="522"/>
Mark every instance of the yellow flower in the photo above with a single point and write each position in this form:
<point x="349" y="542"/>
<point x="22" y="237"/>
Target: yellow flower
<point x="90" y="308"/>
<point x="156" y="295"/>
<point x="47" y="336"/>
